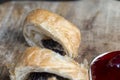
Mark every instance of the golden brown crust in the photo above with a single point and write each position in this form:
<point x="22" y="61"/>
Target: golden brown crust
<point x="35" y="59"/>
<point x="53" y="26"/>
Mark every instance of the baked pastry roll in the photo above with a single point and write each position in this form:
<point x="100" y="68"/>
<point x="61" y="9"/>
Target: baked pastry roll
<point x="46" y="29"/>
<point x="44" y="64"/>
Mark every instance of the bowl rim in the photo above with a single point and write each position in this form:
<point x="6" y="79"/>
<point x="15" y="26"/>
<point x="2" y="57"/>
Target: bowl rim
<point x="94" y="59"/>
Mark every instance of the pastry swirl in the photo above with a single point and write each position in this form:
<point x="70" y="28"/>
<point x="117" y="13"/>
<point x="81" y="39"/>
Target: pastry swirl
<point x="35" y="59"/>
<point x="42" y="25"/>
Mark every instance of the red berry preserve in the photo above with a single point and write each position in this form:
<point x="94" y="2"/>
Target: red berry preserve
<point x="106" y="67"/>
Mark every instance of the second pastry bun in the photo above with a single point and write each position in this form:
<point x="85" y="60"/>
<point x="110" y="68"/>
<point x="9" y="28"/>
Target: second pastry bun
<point x="35" y="59"/>
<point x="42" y="24"/>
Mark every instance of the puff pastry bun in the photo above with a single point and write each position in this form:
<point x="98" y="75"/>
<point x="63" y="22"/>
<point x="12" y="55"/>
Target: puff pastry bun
<point x="42" y="25"/>
<point x="35" y="59"/>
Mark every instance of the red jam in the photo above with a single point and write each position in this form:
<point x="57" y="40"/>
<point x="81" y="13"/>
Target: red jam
<point x="106" y="67"/>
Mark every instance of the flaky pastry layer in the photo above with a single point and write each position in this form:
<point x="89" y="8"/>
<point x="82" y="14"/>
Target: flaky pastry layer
<point x="35" y="59"/>
<point x="41" y="24"/>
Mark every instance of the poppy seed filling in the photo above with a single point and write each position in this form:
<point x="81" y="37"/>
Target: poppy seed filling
<point x="44" y="76"/>
<point x="53" y="45"/>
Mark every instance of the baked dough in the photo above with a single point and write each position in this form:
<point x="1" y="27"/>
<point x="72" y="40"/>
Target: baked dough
<point x="36" y="59"/>
<point x="42" y="24"/>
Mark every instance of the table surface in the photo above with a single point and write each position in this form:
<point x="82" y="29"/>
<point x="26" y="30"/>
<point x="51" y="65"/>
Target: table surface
<point x="98" y="21"/>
